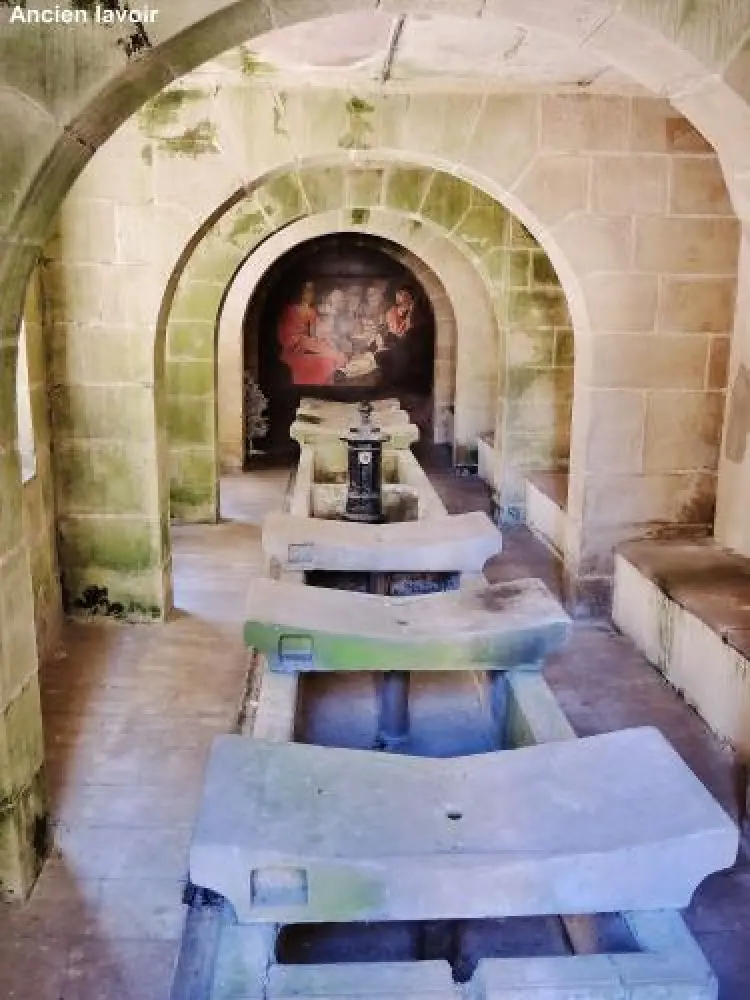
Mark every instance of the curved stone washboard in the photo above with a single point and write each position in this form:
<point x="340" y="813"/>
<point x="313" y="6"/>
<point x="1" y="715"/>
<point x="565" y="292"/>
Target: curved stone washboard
<point x="294" y="833"/>
<point x="457" y="543"/>
<point x="482" y="626"/>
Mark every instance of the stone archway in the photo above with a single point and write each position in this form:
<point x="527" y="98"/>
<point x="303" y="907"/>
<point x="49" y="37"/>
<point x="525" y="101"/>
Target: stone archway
<point x="697" y="63"/>
<point x="441" y="284"/>
<point x="470" y="220"/>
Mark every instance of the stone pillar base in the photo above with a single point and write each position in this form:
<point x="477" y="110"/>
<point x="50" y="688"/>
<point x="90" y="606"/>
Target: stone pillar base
<point x="24" y="840"/>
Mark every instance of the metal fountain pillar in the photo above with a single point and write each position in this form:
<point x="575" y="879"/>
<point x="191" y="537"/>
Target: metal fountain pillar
<point x="364" y="492"/>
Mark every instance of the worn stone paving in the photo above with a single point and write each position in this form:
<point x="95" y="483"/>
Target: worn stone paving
<point x="131" y="711"/>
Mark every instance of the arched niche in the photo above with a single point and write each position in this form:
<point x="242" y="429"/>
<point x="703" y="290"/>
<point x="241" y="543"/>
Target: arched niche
<point x="340" y="317"/>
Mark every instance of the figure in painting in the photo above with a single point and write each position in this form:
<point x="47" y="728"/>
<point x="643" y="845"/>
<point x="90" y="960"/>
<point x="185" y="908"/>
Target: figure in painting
<point x="311" y="357"/>
<point x="351" y="335"/>
<point x="398" y="349"/>
<point x="370" y="325"/>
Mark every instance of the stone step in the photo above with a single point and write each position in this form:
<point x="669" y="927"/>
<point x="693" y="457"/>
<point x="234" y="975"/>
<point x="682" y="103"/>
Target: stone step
<point x="456" y="543"/>
<point x="293" y="833"/>
<point x="483" y="626"/>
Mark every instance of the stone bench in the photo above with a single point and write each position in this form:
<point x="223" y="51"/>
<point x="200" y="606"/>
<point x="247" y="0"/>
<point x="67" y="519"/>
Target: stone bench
<point x="486" y="626"/>
<point x="457" y="543"/>
<point x="686" y="605"/>
<point x="291" y="833"/>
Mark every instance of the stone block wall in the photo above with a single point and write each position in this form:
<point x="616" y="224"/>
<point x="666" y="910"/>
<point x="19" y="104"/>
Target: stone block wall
<point x="23" y="808"/>
<point x="100" y="293"/>
<point x="38" y="490"/>
<point x="534" y="419"/>
<point x="626" y="199"/>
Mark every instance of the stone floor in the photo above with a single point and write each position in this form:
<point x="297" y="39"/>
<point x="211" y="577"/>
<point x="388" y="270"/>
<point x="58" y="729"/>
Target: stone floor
<point x="130" y="712"/>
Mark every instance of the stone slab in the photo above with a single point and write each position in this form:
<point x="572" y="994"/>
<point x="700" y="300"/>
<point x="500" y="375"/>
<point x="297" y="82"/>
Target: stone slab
<point x="482" y="626"/>
<point x="593" y="977"/>
<point x="455" y="543"/>
<point x="373" y="980"/>
<point x="710" y="582"/>
<point x="399" y="435"/>
<point x="296" y="833"/>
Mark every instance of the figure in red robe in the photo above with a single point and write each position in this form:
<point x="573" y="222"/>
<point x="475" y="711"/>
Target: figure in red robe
<point x="312" y="360"/>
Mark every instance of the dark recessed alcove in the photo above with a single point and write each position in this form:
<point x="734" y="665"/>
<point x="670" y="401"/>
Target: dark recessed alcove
<point x="340" y="318"/>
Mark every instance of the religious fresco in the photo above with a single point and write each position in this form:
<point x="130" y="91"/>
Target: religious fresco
<point x="349" y="333"/>
<point x="338" y="318"/>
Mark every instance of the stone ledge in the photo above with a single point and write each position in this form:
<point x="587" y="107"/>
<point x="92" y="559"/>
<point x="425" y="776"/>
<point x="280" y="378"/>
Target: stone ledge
<point x="710" y="582"/>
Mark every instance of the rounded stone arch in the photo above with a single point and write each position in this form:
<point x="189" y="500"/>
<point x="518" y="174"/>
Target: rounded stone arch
<point x="676" y="56"/>
<point x="432" y="200"/>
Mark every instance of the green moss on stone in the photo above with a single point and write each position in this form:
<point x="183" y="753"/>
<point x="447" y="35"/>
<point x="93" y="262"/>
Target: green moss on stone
<point x="364" y="187"/>
<point x="164" y="109"/>
<point x="564" y="348"/>
<point x="251" y="64"/>
<point x="518" y="268"/>
<point x="279" y="114"/>
<point x="539" y="307"/>
<point x="247" y="226"/>
<point x="195" y="141"/>
<point x="282" y="198"/>
<point x="197" y="301"/>
<point x="448" y="199"/>
<point x="190" y="495"/>
<point x="520" y="379"/>
<point x="520" y="236"/>
<point x="359" y="128"/>
<point x="543" y="272"/>
<point x="360" y="216"/>
<point x="125" y="546"/>
<point x="190" y="420"/>
<point x="190" y="340"/>
<point x="484" y="229"/>
<point x="405" y="188"/>
<point x="102" y="477"/>
<point x="191" y="378"/>
<point x="323" y="188"/>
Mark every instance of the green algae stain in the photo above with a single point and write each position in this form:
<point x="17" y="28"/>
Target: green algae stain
<point x="251" y="64"/>
<point x="195" y="141"/>
<point x="360" y="216"/>
<point x="359" y="127"/>
<point x="147" y="154"/>
<point x="279" y="114"/>
<point x="164" y="109"/>
<point x="248" y="224"/>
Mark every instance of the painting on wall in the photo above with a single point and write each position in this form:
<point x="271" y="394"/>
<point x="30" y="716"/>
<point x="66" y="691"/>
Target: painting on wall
<point x="349" y="333"/>
<point x="339" y="318"/>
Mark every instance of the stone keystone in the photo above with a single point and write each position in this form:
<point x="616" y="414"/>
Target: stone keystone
<point x="486" y="627"/>
<point x="293" y="833"/>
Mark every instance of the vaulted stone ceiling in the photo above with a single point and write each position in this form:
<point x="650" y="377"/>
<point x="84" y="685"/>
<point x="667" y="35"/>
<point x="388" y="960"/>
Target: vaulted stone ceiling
<point x="370" y="47"/>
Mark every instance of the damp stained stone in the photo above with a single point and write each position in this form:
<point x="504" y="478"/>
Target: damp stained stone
<point x="195" y="141"/>
<point x="359" y="124"/>
<point x="164" y="109"/>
